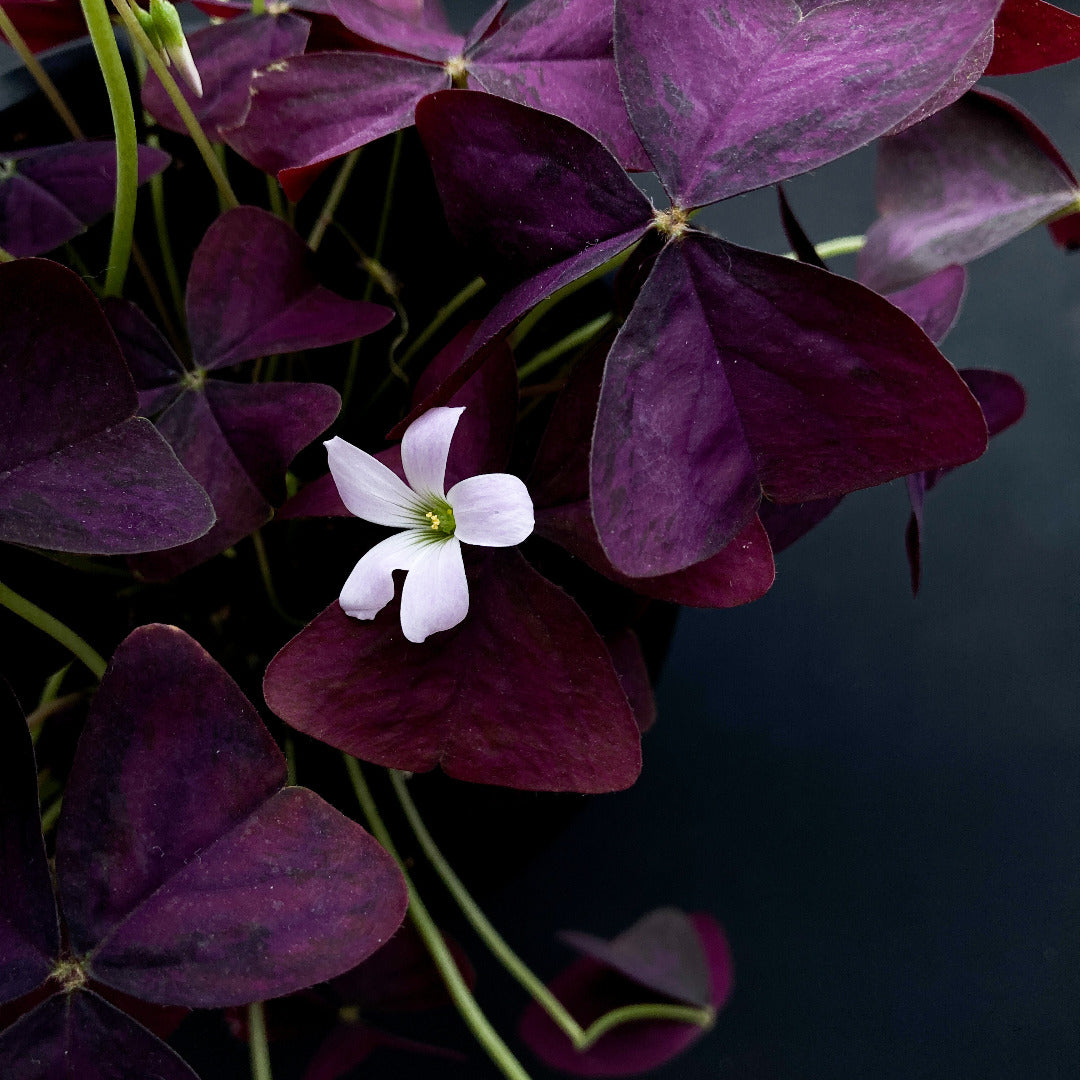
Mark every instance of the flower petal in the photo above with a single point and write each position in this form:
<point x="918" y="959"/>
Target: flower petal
<point x="492" y="510"/>
<point x="435" y="595"/>
<point x="368" y="488"/>
<point x="424" y="448"/>
<point x="370" y="587"/>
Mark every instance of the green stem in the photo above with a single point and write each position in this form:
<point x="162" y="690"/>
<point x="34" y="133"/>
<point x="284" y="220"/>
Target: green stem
<point x="831" y="249"/>
<point x="445" y="312"/>
<point x="219" y="154"/>
<point x="273" y="193"/>
<point x="533" y="317"/>
<point x="258" y="1044"/>
<point x="194" y="128"/>
<point x="127" y="144"/>
<point x="436" y="945"/>
<point x="1065" y="211"/>
<point x="326" y="215"/>
<point x="50" y="814"/>
<point x="6" y="256"/>
<point x="40" y="75"/>
<point x="572" y="340"/>
<point x="258" y="7"/>
<point x="52" y="626"/>
<point x="582" y="1038"/>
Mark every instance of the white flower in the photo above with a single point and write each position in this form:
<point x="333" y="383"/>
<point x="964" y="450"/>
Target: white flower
<point x="491" y="510"/>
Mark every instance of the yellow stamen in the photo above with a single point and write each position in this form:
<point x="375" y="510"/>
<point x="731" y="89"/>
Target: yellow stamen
<point x="433" y="518"/>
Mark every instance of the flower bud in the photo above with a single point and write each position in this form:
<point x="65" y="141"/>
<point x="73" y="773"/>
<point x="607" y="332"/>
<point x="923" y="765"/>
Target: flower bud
<point x="172" y="43"/>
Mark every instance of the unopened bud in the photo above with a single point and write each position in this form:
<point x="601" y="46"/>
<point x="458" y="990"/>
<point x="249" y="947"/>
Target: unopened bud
<point x="174" y="45"/>
<point x="146" y="21"/>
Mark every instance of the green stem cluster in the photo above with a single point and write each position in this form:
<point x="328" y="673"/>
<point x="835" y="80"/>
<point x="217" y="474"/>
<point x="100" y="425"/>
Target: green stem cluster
<point x="52" y="626"/>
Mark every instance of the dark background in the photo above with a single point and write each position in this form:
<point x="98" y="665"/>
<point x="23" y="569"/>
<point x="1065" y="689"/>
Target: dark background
<point x="876" y="795"/>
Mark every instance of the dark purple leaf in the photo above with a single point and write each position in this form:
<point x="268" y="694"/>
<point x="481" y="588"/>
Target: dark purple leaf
<point x="591" y="987"/>
<point x="251" y="292"/>
<point x="835" y="390"/>
<point x="80" y="1036"/>
<point x="957" y="186"/>
<point x="553" y="188"/>
<point x="934" y="303"/>
<point x="29" y="933"/>
<point x="557" y="55"/>
<point x="546" y="713"/>
<point x="314" y="108"/>
<point x="156" y="369"/>
<point x="45" y="23"/>
<point x="185" y="874"/>
<point x="1030" y="34"/>
<point x="735" y="94"/>
<point x="629" y="662"/>
<point x="227" y="55"/>
<point x="51" y="194"/>
<point x="789" y="522"/>
<point x="77" y="471"/>
<point x="395" y="30"/>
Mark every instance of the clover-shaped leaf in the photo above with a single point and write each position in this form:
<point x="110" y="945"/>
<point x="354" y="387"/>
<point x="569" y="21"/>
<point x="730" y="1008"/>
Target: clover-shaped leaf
<point x="78" y="471"/>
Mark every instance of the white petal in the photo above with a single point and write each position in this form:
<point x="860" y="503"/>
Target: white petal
<point x="492" y="510"/>
<point x="435" y="595"/>
<point x="424" y="448"/>
<point x="370" y="587"/>
<point x="368" y="488"/>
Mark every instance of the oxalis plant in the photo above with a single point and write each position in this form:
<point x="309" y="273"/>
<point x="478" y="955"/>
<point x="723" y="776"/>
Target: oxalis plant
<point x="558" y="408"/>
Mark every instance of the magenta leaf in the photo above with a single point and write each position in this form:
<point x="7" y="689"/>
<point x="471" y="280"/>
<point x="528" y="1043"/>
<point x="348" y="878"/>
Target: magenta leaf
<point x="187" y="874"/>
<point x="251" y="292"/>
<point x="78" y="471"/>
<point x="957" y="186"/>
<point x="380" y="24"/>
<point x="29" y="932"/>
<point x="934" y="303"/>
<point x="667" y="955"/>
<point x="731" y="95"/>
<point x="314" y="108"/>
<point x="51" y="194"/>
<point x="45" y="23"/>
<point x="558" y="56"/>
<point x="1031" y="34"/>
<point x="227" y="55"/>
<point x="80" y="1036"/>
<point x="546" y="714"/>
<point x="818" y="402"/>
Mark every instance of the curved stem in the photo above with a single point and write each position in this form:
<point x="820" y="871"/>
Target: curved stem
<point x="572" y="340"/>
<point x="457" y="301"/>
<point x="465" y="1003"/>
<point x="258" y="1045"/>
<point x="831" y="249"/>
<point x="582" y="1038"/>
<point x="40" y="75"/>
<point x="127" y="144"/>
<point x="194" y="128"/>
<point x="52" y="626"/>
<point x="326" y="215"/>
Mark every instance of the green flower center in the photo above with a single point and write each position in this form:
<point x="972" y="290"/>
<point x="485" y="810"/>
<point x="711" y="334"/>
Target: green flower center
<point x="436" y="517"/>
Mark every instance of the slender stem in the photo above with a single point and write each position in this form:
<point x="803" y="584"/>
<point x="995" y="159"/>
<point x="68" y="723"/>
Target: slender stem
<point x="51" y="689"/>
<point x="436" y="945"/>
<point x="219" y="155"/>
<point x="161" y="224"/>
<point x="52" y="626"/>
<point x="384" y="218"/>
<point x="127" y="143"/>
<point x="6" y="256"/>
<point x="326" y="215"/>
<point x="41" y="76"/>
<point x="572" y="340"/>
<point x="50" y="814"/>
<point x="457" y="301"/>
<point x="582" y="1038"/>
<point x="194" y="128"/>
<point x="258" y="1045"/>
<point x="1064" y="212"/>
<point x="50" y="708"/>
<point x="533" y="317"/>
<point x="258" y="7"/>
<point x="273" y="193"/>
<point x="831" y="249"/>
<point x="268" y="579"/>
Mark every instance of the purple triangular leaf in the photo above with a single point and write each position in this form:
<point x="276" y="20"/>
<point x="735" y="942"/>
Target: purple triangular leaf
<point x="735" y="94"/>
<point x="227" y="55"/>
<point x="545" y="713"/>
<point x="934" y="303"/>
<point x="1030" y="34"/>
<point x="629" y="663"/>
<point x="523" y="191"/>
<point x="77" y="471"/>
<point x="251" y="292"/>
<point x="51" y="194"/>
<point x="788" y="522"/>
<point x="80" y="1036"/>
<point x="29" y="932"/>
<point x="383" y="26"/>
<point x="661" y="951"/>
<point x="186" y="875"/>
<point x="315" y="108"/>
<point x="558" y="56"/>
<point x="590" y="988"/>
<point x="835" y="391"/>
<point x="957" y="186"/>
